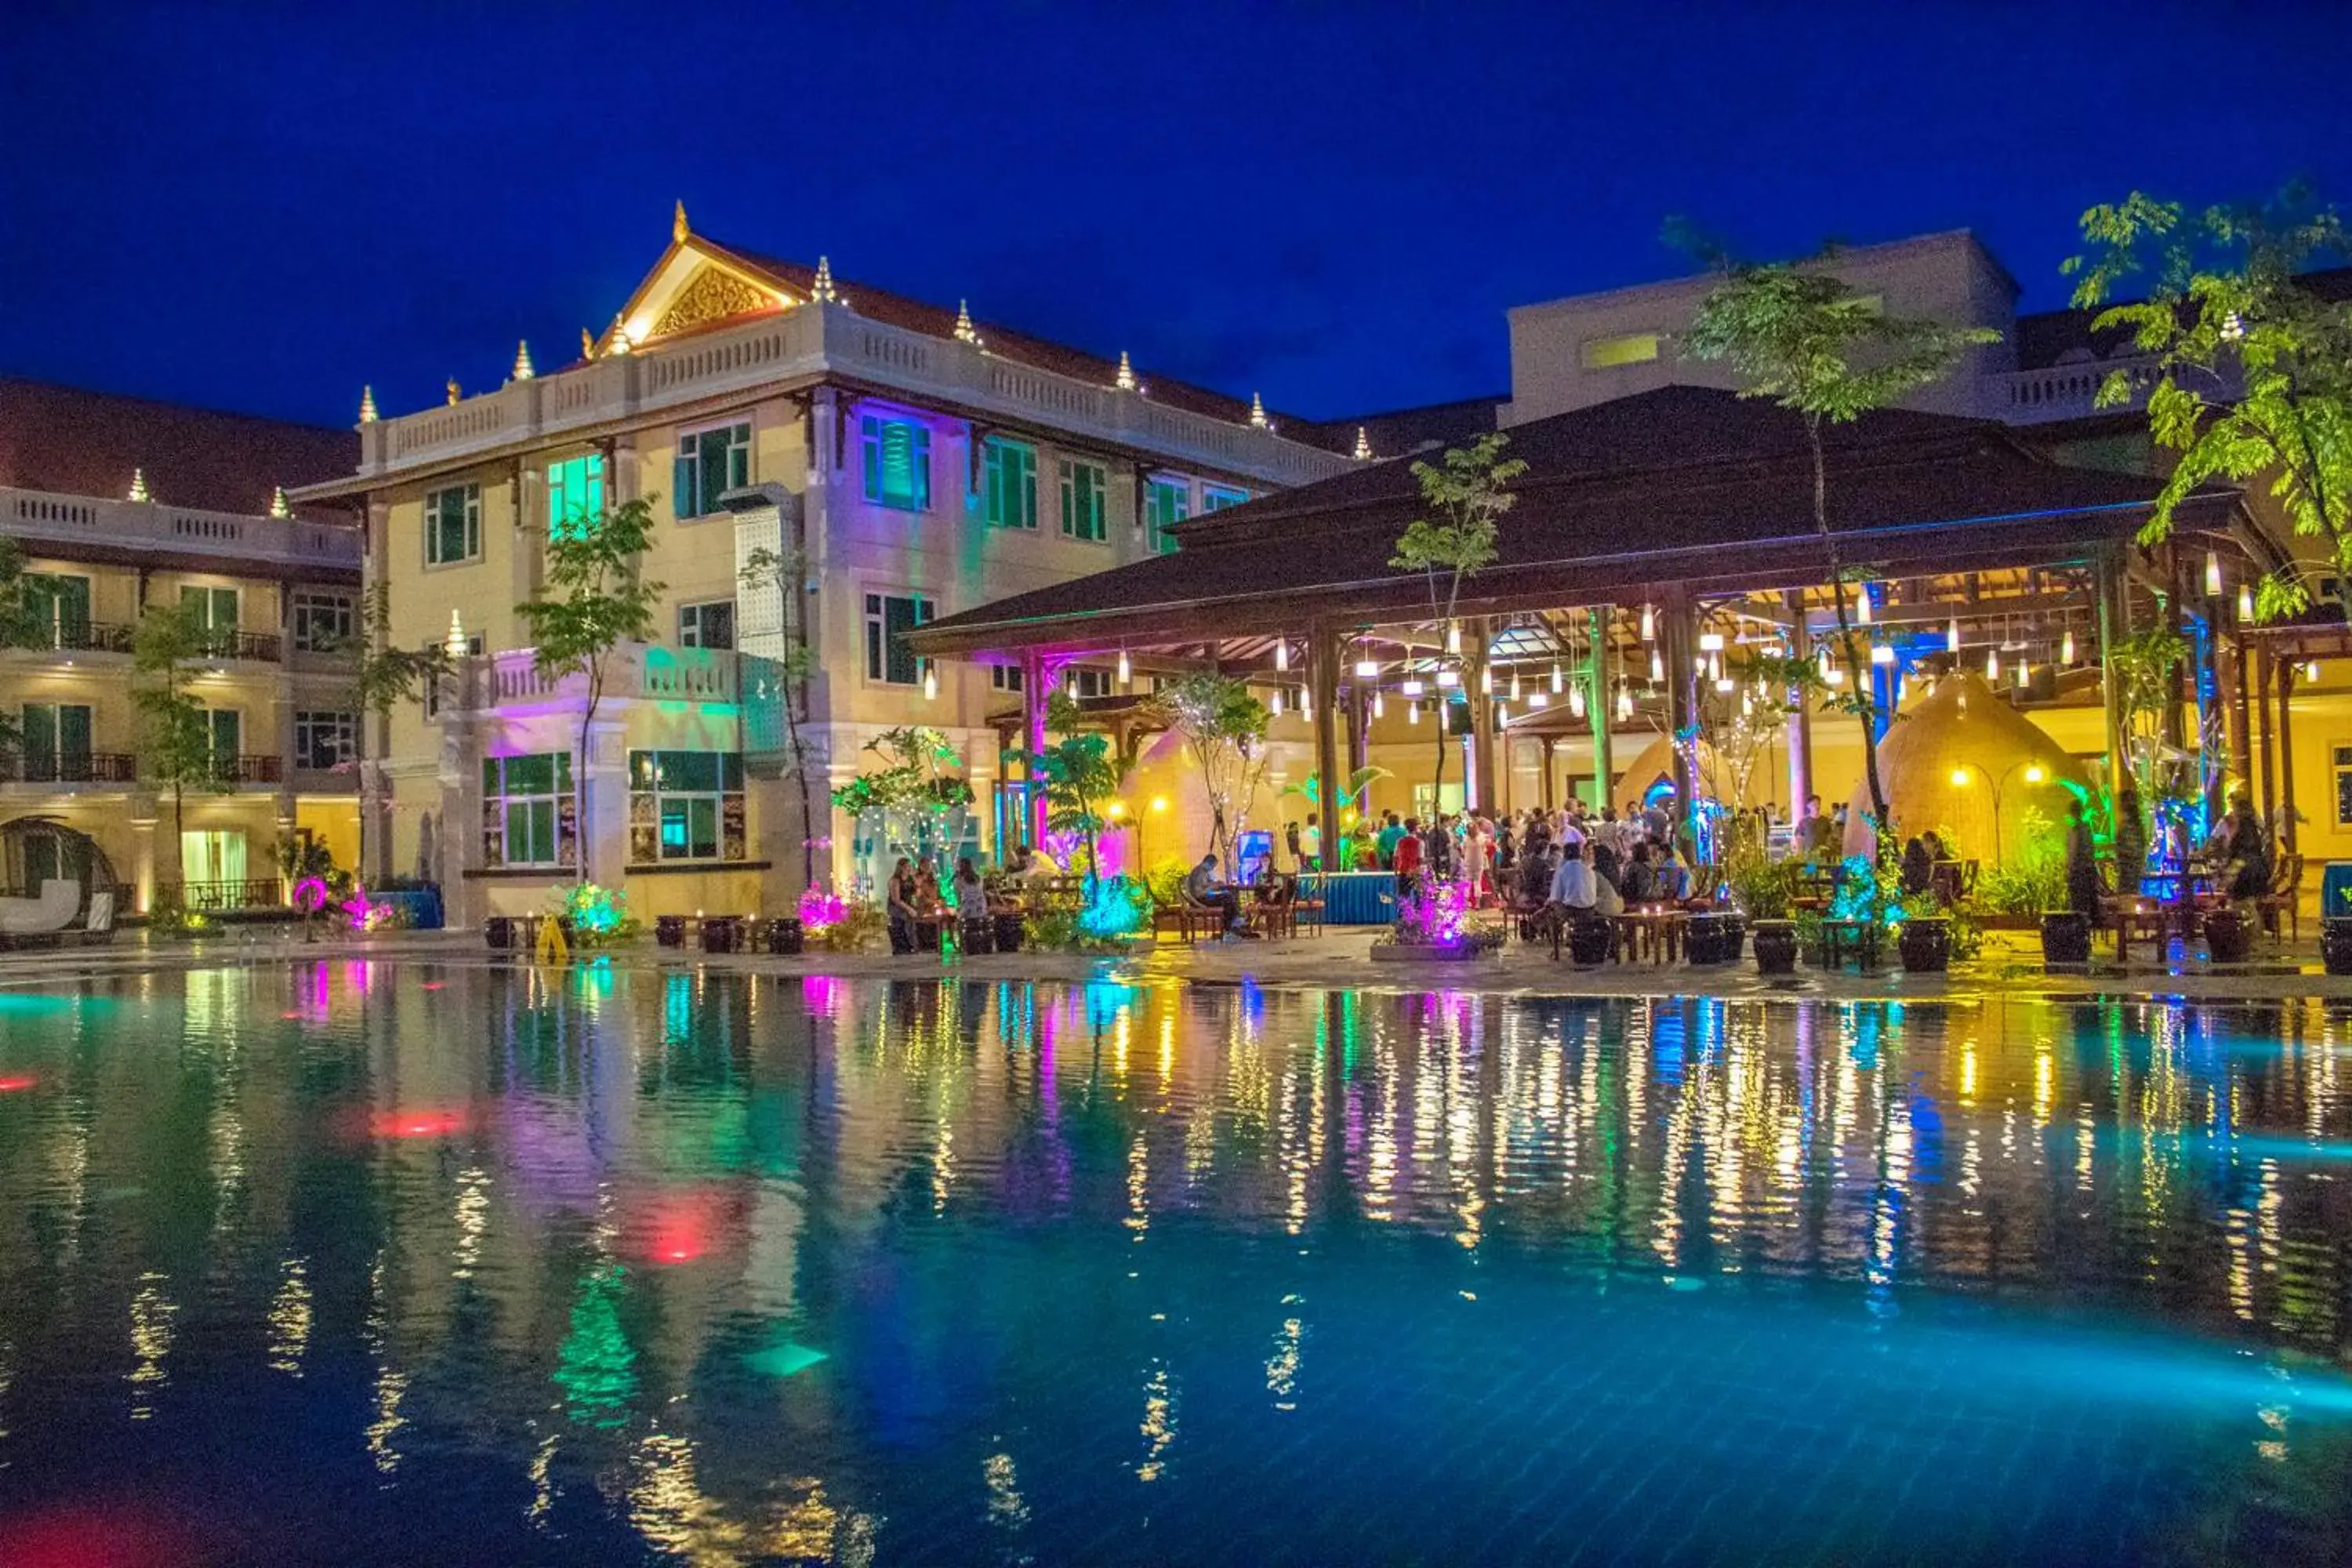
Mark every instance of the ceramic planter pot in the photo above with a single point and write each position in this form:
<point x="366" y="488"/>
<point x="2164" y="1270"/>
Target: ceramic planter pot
<point x="1776" y="947"/>
<point x="785" y="937"/>
<point x="2065" y="938"/>
<point x="2229" y="936"/>
<point x="2335" y="944"/>
<point x="1588" y="942"/>
<point x="1926" y="945"/>
<point x="669" y="930"/>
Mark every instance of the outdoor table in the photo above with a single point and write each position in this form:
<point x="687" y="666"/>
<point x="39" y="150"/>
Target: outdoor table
<point x="1656" y="933"/>
<point x="1837" y="936"/>
<point x="1352" y="898"/>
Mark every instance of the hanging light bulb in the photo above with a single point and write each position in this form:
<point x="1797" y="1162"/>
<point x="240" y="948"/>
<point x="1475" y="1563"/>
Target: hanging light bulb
<point x="1952" y="636"/>
<point x="1649" y="625"/>
<point x="1453" y="638"/>
<point x="1487" y="680"/>
<point x="1449" y="677"/>
<point x="1882" y="653"/>
<point x="2212" y="574"/>
<point x="2311" y="671"/>
<point x="1747" y="704"/>
<point x="1380" y="708"/>
<point x="2024" y="673"/>
<point x="930" y="682"/>
<point x="1624" y="702"/>
<point x="1558" y="681"/>
<point x="1070" y="686"/>
<point x="1576" y="702"/>
<point x="1367" y="669"/>
<point x="1306" y="704"/>
<point x="1658" y="667"/>
<point x="1993" y="664"/>
<point x="2245" y="601"/>
<point x="1515" y="684"/>
<point x="1715" y="666"/>
<point x="1710" y="642"/>
<point x="2066" y="646"/>
<point x="1538" y="699"/>
<point x="1721" y="684"/>
<point x="1837" y="675"/>
<point x="1411" y="687"/>
<point x="1502" y="713"/>
<point x="1828" y="670"/>
<point x="1412" y="712"/>
<point x="1274" y="704"/>
<point x="1861" y="608"/>
<point x="1126" y="671"/>
<point x="1282" y="653"/>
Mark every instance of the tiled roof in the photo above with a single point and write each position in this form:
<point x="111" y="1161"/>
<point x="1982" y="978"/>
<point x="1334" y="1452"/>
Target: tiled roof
<point x="71" y="441"/>
<point x="1682" y="484"/>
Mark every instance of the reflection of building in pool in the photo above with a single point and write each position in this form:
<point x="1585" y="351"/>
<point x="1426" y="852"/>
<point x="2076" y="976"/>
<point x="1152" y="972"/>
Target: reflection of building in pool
<point x="125" y="508"/>
<point x="911" y="462"/>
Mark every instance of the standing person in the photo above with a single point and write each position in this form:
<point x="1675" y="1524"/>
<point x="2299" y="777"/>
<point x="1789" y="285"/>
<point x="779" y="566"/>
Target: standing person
<point x="1404" y="857"/>
<point x="1474" y="857"/>
<point x="899" y="902"/>
<point x="1291" y="841"/>
<point x="1307" y="847"/>
<point x="1384" y="842"/>
<point x="2245" y="851"/>
<point x="2083" y="886"/>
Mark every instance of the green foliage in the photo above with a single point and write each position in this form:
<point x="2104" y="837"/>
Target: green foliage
<point x="2254" y="367"/>
<point x="1765" y="887"/>
<point x="863" y="925"/>
<point x="1467" y="493"/>
<point x="782" y="572"/>
<point x="1225" y="729"/>
<point x="1165" y="882"/>
<point x="1079" y="772"/>
<point x="175" y="736"/>
<point x="911" y="776"/>
<point x="2033" y="879"/>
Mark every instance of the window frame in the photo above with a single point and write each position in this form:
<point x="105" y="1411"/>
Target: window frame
<point x="562" y="824"/>
<point x="682" y="464"/>
<point x="305" y="604"/>
<point x="695" y="610"/>
<point x="874" y="629"/>
<point x="594" y="481"/>
<point x="2340" y="764"/>
<point x="651" y="797"/>
<point x="1595" y="354"/>
<point x="1218" y="497"/>
<point x="1066" y="470"/>
<point x="469" y="523"/>
<point x="1155" y="524"/>
<point x="871" y="425"/>
<point x="995" y="450"/>
<point x="309" y="723"/>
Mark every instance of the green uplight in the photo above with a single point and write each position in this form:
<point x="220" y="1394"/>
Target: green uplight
<point x="785" y="1358"/>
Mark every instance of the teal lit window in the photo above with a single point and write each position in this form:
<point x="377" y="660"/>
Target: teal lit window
<point x="685" y="806"/>
<point x="453" y="524"/>
<point x="575" y="495"/>
<point x="888" y="619"/>
<point x="1009" y="478"/>
<point x="710" y="464"/>
<point x="897" y="462"/>
<point x="1165" y="500"/>
<point x="1216" y="497"/>
<point x="1084" y="486"/>
<point x="527" y="810"/>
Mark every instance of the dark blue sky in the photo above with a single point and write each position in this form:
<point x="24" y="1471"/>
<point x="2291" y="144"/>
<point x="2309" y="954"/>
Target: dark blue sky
<point x="262" y="206"/>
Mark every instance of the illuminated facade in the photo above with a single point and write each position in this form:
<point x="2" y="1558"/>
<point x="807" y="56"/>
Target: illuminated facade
<point x="912" y="462"/>
<point x="121" y="505"/>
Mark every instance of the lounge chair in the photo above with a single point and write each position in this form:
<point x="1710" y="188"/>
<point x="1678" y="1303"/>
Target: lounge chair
<point x="50" y="913"/>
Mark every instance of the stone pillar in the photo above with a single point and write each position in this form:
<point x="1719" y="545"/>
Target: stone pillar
<point x="2111" y="592"/>
<point x="1801" y="712"/>
<point x="603" y="786"/>
<point x="1596" y="703"/>
<point x="2286" y="668"/>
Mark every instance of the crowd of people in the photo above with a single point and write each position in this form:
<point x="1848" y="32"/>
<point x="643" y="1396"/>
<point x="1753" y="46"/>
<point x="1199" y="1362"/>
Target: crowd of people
<point x="1578" y="860"/>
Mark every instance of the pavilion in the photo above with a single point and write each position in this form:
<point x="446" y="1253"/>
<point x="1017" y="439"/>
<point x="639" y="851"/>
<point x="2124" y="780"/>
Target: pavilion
<point x="1654" y="539"/>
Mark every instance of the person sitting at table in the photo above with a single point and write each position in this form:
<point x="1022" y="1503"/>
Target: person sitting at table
<point x="1020" y="861"/>
<point x="2244" y="851"/>
<point x="1201" y="890"/>
<point x="1640" y="883"/>
<point x="1674" y="874"/>
<point x="1537" y="869"/>
<point x="1919" y="867"/>
<point x="1572" y="886"/>
<point x="899" y="904"/>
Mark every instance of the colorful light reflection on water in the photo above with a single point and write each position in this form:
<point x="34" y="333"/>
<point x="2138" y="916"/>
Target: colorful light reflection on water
<point x="438" y="1264"/>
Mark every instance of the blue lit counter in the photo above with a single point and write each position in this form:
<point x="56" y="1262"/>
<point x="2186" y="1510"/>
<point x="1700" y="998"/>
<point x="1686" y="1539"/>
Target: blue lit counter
<point x="1353" y="897"/>
<point x="2336" y="889"/>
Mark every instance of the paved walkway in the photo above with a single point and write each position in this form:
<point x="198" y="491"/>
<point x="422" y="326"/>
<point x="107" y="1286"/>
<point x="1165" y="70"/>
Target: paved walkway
<point x="2011" y="964"/>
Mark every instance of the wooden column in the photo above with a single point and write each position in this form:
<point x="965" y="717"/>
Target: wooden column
<point x="1323" y="675"/>
<point x="1360" y="727"/>
<point x="1801" y="713"/>
<point x="2234" y="708"/>
<point x="2261" y="715"/>
<point x="2286" y="668"/>
<point x="2111" y="592"/>
<point x="1479" y="637"/>
<point x="1596" y="703"/>
<point x="1682" y="704"/>
<point x="1551" y="761"/>
<point x="1033" y="697"/>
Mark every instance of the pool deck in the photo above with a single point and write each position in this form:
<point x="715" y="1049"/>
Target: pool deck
<point x="2010" y="965"/>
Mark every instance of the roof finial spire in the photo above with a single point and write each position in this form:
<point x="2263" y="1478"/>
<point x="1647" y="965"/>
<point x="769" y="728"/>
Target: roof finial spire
<point x="138" y="490"/>
<point x="964" y="331"/>
<point x="1363" y="444"/>
<point x="821" y="286"/>
<point x="1257" y="412"/>
<point x="1125" y="380"/>
<point x="587" y="343"/>
<point x="522" y="366"/>
<point x="278" y="504"/>
<point x="367" y="405"/>
<point x="454" y="393"/>
<point x="678" y="229"/>
<point x="620" y="335"/>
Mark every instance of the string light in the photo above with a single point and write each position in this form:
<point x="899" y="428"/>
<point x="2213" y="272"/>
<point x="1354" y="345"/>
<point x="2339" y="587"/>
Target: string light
<point x="1576" y="702"/>
<point x="1649" y="625"/>
<point x="2245" y="601"/>
<point x="1952" y="636"/>
<point x="2212" y="574"/>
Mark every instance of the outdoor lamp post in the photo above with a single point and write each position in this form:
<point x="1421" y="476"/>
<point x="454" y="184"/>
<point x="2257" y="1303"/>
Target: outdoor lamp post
<point x="2034" y="774"/>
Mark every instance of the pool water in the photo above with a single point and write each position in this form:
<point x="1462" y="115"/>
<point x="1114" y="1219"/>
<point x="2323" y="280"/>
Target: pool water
<point x="374" y="1263"/>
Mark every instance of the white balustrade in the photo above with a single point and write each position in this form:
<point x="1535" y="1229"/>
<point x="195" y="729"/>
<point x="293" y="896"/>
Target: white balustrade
<point x="36" y="517"/>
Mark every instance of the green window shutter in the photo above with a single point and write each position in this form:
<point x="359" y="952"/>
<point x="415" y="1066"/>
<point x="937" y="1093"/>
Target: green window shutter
<point x="683" y="501"/>
<point x="870" y="443"/>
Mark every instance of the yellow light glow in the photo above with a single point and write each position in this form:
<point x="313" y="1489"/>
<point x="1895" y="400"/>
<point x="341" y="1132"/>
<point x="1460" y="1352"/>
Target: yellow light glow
<point x="1159" y="803"/>
<point x="2033" y="774"/>
<point x="1118" y="809"/>
<point x="1959" y="778"/>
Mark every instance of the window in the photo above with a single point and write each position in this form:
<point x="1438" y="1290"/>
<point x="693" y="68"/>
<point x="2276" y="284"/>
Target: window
<point x="1010" y="478"/>
<point x="215" y="614"/>
<point x="528" y="815"/>
<point x="1626" y="348"/>
<point x="1165" y="500"/>
<point x="214" y="857"/>
<point x="1005" y="678"/>
<point x="685" y="806"/>
<point x="888" y="619"/>
<point x="710" y="464"/>
<point x="56" y="742"/>
<point x="897" y="462"/>
<point x="1086" y="680"/>
<point x="324" y="739"/>
<point x="453" y="525"/>
<point x="1216" y="497"/>
<point x="1082" y="486"/>
<point x="58" y="608"/>
<point x="322" y="622"/>
<point x="2344" y="786"/>
<point x="708" y="625"/>
<point x="575" y="493"/>
<point x="225" y="728"/>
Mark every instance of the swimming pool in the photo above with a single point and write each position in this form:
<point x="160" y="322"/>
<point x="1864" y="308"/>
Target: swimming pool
<point x="369" y="1263"/>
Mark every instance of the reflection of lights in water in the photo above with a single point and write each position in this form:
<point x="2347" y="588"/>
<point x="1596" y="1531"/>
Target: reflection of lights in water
<point x="1006" y="1510"/>
<point x="417" y="1122"/>
<point x="289" y="1319"/>
<point x="390" y="1386"/>
<point x="1282" y="1366"/>
<point x="152" y="1315"/>
<point x="1138" y="1186"/>
<point x="473" y="1218"/>
<point x="16" y="1083"/>
<point x="1158" y="1425"/>
<point x="543" y="1484"/>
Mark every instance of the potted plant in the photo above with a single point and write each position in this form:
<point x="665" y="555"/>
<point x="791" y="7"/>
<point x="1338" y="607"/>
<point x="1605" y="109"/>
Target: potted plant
<point x="2065" y="938"/>
<point x="2228" y="935"/>
<point x="2336" y="943"/>
<point x="1765" y="889"/>
<point x="1589" y="938"/>
<point x="1925" y="942"/>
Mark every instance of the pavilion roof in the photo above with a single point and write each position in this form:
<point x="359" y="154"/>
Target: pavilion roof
<point x="1689" y="486"/>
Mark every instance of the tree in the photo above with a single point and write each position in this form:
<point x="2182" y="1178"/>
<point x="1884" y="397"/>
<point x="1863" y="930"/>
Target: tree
<point x="1467" y="496"/>
<point x="593" y="600"/>
<point x="1795" y="332"/>
<point x="176" y="736"/>
<point x="1224" y="727"/>
<point x="382" y="677"/>
<point x="2229" y="308"/>
<point x="1079" y="772"/>
<point x="780" y="571"/>
<point x="1351" y="798"/>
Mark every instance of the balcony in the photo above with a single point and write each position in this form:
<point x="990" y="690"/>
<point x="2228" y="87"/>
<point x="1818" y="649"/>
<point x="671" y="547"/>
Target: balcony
<point x="266" y="648"/>
<point x="813" y="340"/>
<point x="220" y="897"/>
<point x="49" y="523"/>
<point x="77" y="637"/>
<point x="648" y="670"/>
<point x="69" y="768"/>
<point x="2071" y="391"/>
<point x="247" y="770"/>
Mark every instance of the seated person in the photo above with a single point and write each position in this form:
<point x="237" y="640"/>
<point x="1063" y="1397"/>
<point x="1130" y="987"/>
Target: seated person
<point x="1572" y="886"/>
<point x="1201" y="891"/>
<point x="1919" y="867"/>
<point x="1640" y="883"/>
<point x="1536" y="873"/>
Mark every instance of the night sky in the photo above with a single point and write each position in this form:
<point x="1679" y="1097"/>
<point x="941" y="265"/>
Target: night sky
<point x="262" y="206"/>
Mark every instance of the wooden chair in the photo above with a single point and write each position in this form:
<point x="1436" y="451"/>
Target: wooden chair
<point x="1189" y="920"/>
<point x="1276" y="912"/>
<point x="2284" y="897"/>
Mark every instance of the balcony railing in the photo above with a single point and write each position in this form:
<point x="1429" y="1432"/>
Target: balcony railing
<point x="807" y="341"/>
<point x="71" y="767"/>
<point x="247" y="770"/>
<point x="38" y="518"/>
<point x="224" y="643"/>
<point x="664" y="674"/>
<point x="224" y="897"/>
<point x="75" y="637"/>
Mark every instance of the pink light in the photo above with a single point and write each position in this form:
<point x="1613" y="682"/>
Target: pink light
<point x="416" y="1121"/>
<point x="679" y="1228"/>
<point x="433" y="985"/>
<point x="17" y="1084"/>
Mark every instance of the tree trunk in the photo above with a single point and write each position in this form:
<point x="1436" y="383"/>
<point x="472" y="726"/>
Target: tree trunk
<point x="1856" y="672"/>
<point x="808" y="805"/>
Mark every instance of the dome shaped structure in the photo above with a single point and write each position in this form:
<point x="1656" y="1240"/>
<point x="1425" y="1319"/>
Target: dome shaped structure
<point x="1964" y="762"/>
<point x="1651" y="774"/>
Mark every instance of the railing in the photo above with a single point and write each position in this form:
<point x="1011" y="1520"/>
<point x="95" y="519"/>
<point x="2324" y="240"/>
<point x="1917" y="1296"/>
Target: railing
<point x="666" y="674"/>
<point x="247" y="770"/>
<point x="71" y="767"/>
<point x="77" y="637"/>
<point x="222" y="897"/>
<point x="222" y="642"/>
<point x="806" y="341"/>
<point x="38" y="517"/>
<point x="2072" y="390"/>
